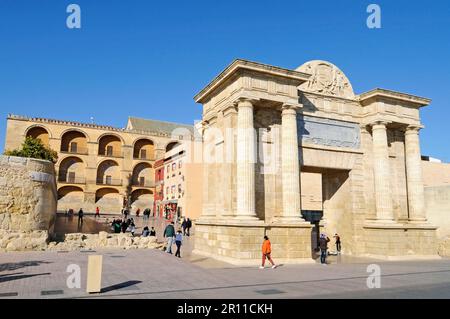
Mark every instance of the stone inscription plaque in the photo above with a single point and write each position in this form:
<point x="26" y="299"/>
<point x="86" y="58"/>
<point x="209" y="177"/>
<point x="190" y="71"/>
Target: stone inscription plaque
<point x="328" y="132"/>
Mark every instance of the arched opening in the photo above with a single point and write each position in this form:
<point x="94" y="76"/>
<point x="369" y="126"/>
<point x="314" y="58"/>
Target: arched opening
<point x="39" y="132"/>
<point x="142" y="199"/>
<point x="108" y="173"/>
<point x="110" y="145"/>
<point x="71" y="170"/>
<point x="108" y="200"/>
<point x="144" y="149"/>
<point x="143" y="175"/>
<point x="74" y="142"/>
<point x="171" y="146"/>
<point x="70" y="197"/>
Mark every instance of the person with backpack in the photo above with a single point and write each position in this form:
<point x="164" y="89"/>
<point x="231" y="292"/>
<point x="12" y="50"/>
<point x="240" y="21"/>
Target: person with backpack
<point x="266" y="251"/>
<point x="169" y="233"/>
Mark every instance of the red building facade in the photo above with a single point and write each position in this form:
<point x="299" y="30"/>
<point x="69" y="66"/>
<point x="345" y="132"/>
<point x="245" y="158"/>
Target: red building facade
<point x="158" y="206"/>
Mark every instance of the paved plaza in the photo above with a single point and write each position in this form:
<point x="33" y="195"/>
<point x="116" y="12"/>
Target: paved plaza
<point x="156" y="274"/>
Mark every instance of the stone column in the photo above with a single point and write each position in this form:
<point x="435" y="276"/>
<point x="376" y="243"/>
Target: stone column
<point x="416" y="198"/>
<point x="290" y="167"/>
<point x="246" y="159"/>
<point x="383" y="200"/>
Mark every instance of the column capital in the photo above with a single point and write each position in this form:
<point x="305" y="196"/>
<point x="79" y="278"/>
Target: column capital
<point x="379" y="124"/>
<point x="229" y="109"/>
<point x="413" y="129"/>
<point x="244" y="102"/>
<point x="288" y="108"/>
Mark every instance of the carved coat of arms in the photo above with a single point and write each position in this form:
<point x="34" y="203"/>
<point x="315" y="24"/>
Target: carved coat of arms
<point x="326" y="79"/>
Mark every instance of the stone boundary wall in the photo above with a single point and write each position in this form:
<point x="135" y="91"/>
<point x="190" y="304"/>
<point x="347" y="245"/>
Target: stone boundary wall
<point x="28" y="195"/>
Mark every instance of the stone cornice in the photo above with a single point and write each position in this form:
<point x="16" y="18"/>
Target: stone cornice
<point x="238" y="64"/>
<point x="399" y="96"/>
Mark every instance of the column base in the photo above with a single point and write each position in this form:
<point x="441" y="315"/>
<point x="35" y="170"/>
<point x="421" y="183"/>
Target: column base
<point x="395" y="241"/>
<point x="418" y="220"/>
<point x="289" y="220"/>
<point x="239" y="242"/>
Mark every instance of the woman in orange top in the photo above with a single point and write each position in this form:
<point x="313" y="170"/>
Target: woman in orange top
<point x="266" y="250"/>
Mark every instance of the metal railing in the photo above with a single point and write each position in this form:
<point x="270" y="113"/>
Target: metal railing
<point x="143" y="184"/>
<point x="106" y="181"/>
<point x="64" y="178"/>
<point x="111" y="154"/>
<point x="78" y="150"/>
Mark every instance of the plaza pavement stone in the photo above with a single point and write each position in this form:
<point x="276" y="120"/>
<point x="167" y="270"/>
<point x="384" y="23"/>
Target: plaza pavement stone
<point x="155" y="274"/>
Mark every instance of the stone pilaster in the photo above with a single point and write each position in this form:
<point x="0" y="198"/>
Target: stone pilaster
<point x="246" y="159"/>
<point x="381" y="172"/>
<point x="290" y="167"/>
<point x="207" y="205"/>
<point x="416" y="198"/>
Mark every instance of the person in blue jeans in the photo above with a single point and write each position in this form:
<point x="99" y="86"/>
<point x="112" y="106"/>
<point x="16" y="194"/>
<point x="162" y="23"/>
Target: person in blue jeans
<point x="323" y="244"/>
<point x="169" y="233"/>
<point x="178" y="242"/>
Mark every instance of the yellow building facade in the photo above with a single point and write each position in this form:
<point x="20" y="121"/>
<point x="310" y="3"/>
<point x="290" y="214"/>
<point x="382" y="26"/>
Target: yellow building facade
<point x="101" y="166"/>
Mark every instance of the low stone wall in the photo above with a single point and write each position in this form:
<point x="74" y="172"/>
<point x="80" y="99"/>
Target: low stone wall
<point x="37" y="240"/>
<point x="28" y="195"/>
<point x="103" y="239"/>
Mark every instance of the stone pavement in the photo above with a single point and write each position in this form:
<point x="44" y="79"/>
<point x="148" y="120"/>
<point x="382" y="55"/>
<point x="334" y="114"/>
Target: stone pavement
<point x="156" y="274"/>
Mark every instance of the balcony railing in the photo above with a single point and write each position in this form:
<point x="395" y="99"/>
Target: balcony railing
<point x="145" y="158"/>
<point x="78" y="150"/>
<point x="143" y="184"/>
<point x="71" y="180"/>
<point x="106" y="181"/>
<point x="111" y="154"/>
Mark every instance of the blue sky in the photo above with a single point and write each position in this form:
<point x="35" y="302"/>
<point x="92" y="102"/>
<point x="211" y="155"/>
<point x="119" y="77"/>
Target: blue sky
<point x="149" y="58"/>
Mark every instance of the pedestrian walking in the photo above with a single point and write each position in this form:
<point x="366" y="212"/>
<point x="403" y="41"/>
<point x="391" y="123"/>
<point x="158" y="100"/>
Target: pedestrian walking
<point x="97" y="212"/>
<point x="138" y="211"/>
<point x="132" y="227"/>
<point x="188" y="226"/>
<point x="80" y="216"/>
<point x="169" y="233"/>
<point x="184" y="226"/>
<point x="178" y="241"/>
<point x="266" y="251"/>
<point x="338" y="243"/>
<point x="323" y="244"/>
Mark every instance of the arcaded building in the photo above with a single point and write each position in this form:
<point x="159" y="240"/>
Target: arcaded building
<point x="291" y="153"/>
<point x="102" y="166"/>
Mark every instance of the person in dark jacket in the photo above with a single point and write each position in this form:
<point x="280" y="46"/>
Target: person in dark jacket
<point x="152" y="231"/>
<point x="124" y="226"/>
<point x="323" y="244"/>
<point x="169" y="233"/>
<point x="188" y="226"/>
<point x="184" y="226"/>
<point x="80" y="216"/>
<point x="338" y="243"/>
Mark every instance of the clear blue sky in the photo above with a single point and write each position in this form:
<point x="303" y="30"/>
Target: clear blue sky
<point x="149" y="58"/>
